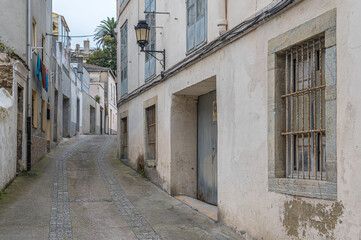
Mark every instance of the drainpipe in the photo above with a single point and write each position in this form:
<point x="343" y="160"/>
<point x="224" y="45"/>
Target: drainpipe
<point x="222" y="16"/>
<point x="28" y="122"/>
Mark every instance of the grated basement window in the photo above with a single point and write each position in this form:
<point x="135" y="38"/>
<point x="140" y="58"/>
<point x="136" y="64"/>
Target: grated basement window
<point x="151" y="133"/>
<point x="305" y="109"/>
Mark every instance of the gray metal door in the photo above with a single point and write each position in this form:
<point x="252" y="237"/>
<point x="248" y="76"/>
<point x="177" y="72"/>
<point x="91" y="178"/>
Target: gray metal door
<point x="207" y="148"/>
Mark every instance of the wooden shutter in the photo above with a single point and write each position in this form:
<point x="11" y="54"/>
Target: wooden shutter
<point x="124" y="59"/>
<point x="200" y="26"/>
<point x="191" y="19"/>
<point x="150" y="62"/>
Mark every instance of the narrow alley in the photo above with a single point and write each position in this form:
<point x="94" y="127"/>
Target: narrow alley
<point x="81" y="190"/>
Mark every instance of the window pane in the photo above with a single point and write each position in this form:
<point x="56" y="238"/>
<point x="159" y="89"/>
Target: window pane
<point x="191" y="15"/>
<point x="200" y="8"/>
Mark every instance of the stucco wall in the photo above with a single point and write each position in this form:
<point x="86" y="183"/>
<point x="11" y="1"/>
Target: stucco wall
<point x="240" y="68"/>
<point x="14" y="35"/>
<point x="7" y="138"/>
<point x="12" y="118"/>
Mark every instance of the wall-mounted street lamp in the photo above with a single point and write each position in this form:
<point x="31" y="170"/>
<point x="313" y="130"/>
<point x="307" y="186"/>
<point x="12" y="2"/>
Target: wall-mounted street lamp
<point x="142" y="32"/>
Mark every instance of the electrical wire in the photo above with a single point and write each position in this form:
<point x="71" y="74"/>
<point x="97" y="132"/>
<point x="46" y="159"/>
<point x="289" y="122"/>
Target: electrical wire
<point x="84" y="36"/>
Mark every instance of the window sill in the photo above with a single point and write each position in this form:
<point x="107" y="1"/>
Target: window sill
<point x="150" y="163"/>
<point x="196" y="48"/>
<point x="151" y="77"/>
<point x="303" y="188"/>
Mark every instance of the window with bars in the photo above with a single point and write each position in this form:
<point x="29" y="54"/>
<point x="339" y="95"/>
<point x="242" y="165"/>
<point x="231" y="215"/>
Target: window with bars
<point x="150" y="62"/>
<point x="151" y="133"/>
<point x="305" y="109"/>
<point x="302" y="109"/>
<point x="124" y="138"/>
<point x="124" y="59"/>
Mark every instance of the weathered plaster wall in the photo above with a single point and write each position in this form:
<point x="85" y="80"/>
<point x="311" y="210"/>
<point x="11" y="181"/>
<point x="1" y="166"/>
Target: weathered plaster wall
<point x="75" y="96"/>
<point x="349" y="117"/>
<point x="184" y="146"/>
<point x="7" y="138"/>
<point x="244" y="201"/>
<point x="12" y="78"/>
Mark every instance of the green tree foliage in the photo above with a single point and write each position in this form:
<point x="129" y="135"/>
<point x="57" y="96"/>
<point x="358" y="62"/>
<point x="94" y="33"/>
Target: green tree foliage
<point x="106" y="28"/>
<point x="105" y="56"/>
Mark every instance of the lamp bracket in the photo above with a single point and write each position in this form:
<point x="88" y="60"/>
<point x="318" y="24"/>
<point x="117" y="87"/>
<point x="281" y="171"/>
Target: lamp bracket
<point x="157" y="12"/>
<point x="33" y="49"/>
<point x="161" y="61"/>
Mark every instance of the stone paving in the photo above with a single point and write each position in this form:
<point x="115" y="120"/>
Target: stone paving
<point x="60" y="223"/>
<point x="82" y="191"/>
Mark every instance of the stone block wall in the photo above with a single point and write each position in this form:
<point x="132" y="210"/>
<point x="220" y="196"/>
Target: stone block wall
<point x="6" y="78"/>
<point x="39" y="148"/>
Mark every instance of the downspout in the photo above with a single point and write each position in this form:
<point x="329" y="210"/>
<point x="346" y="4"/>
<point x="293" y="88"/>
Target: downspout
<point x="222" y="17"/>
<point x="28" y="122"/>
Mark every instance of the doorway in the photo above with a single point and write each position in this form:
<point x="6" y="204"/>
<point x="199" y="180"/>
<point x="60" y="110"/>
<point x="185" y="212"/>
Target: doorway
<point x="101" y="122"/>
<point x="207" y="148"/>
<point x="66" y="117"/>
<point x="55" y="122"/>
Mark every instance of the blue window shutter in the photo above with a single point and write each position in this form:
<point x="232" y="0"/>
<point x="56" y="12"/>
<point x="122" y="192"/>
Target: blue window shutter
<point x="150" y="62"/>
<point x="191" y="19"/>
<point x="124" y="59"/>
<point x="200" y="26"/>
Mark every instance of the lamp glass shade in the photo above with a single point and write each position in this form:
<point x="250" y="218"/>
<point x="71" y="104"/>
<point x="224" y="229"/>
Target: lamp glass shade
<point x="142" y="33"/>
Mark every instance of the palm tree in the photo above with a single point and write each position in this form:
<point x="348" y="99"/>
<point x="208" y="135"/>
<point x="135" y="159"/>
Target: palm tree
<point x="106" y="28"/>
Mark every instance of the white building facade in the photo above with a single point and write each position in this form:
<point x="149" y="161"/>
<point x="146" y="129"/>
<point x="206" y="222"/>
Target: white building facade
<point x="256" y="112"/>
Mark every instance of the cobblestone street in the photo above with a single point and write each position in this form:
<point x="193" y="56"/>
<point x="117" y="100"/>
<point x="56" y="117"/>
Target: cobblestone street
<point x="82" y="191"/>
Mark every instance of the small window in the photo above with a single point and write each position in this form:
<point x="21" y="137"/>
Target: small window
<point x="43" y="47"/>
<point x="124" y="138"/>
<point x="34" y="109"/>
<point x="150" y="62"/>
<point x="124" y="59"/>
<point x="196" y="23"/>
<point x="151" y="133"/>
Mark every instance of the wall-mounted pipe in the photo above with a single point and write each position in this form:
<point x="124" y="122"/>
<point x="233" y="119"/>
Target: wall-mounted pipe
<point x="28" y="121"/>
<point x="222" y="17"/>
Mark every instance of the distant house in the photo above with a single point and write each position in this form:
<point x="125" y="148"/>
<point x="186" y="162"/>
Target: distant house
<point x="103" y="85"/>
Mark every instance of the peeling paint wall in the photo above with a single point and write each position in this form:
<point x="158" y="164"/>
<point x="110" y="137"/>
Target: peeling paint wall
<point x="7" y="138"/>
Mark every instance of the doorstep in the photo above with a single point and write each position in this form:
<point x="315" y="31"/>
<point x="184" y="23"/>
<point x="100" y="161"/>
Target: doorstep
<point x="206" y="209"/>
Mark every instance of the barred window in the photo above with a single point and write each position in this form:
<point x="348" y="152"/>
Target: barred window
<point x="305" y="110"/>
<point x="124" y="138"/>
<point x="151" y="133"/>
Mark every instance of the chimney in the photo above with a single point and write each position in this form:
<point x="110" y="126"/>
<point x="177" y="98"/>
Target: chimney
<point x="86" y="46"/>
<point x="77" y="48"/>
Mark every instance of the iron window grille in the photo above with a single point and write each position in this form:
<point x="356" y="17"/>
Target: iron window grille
<point x="151" y="132"/>
<point x="304" y="100"/>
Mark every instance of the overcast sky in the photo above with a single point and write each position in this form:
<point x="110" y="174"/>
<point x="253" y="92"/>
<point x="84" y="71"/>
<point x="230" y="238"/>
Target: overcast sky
<point x="83" y="16"/>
